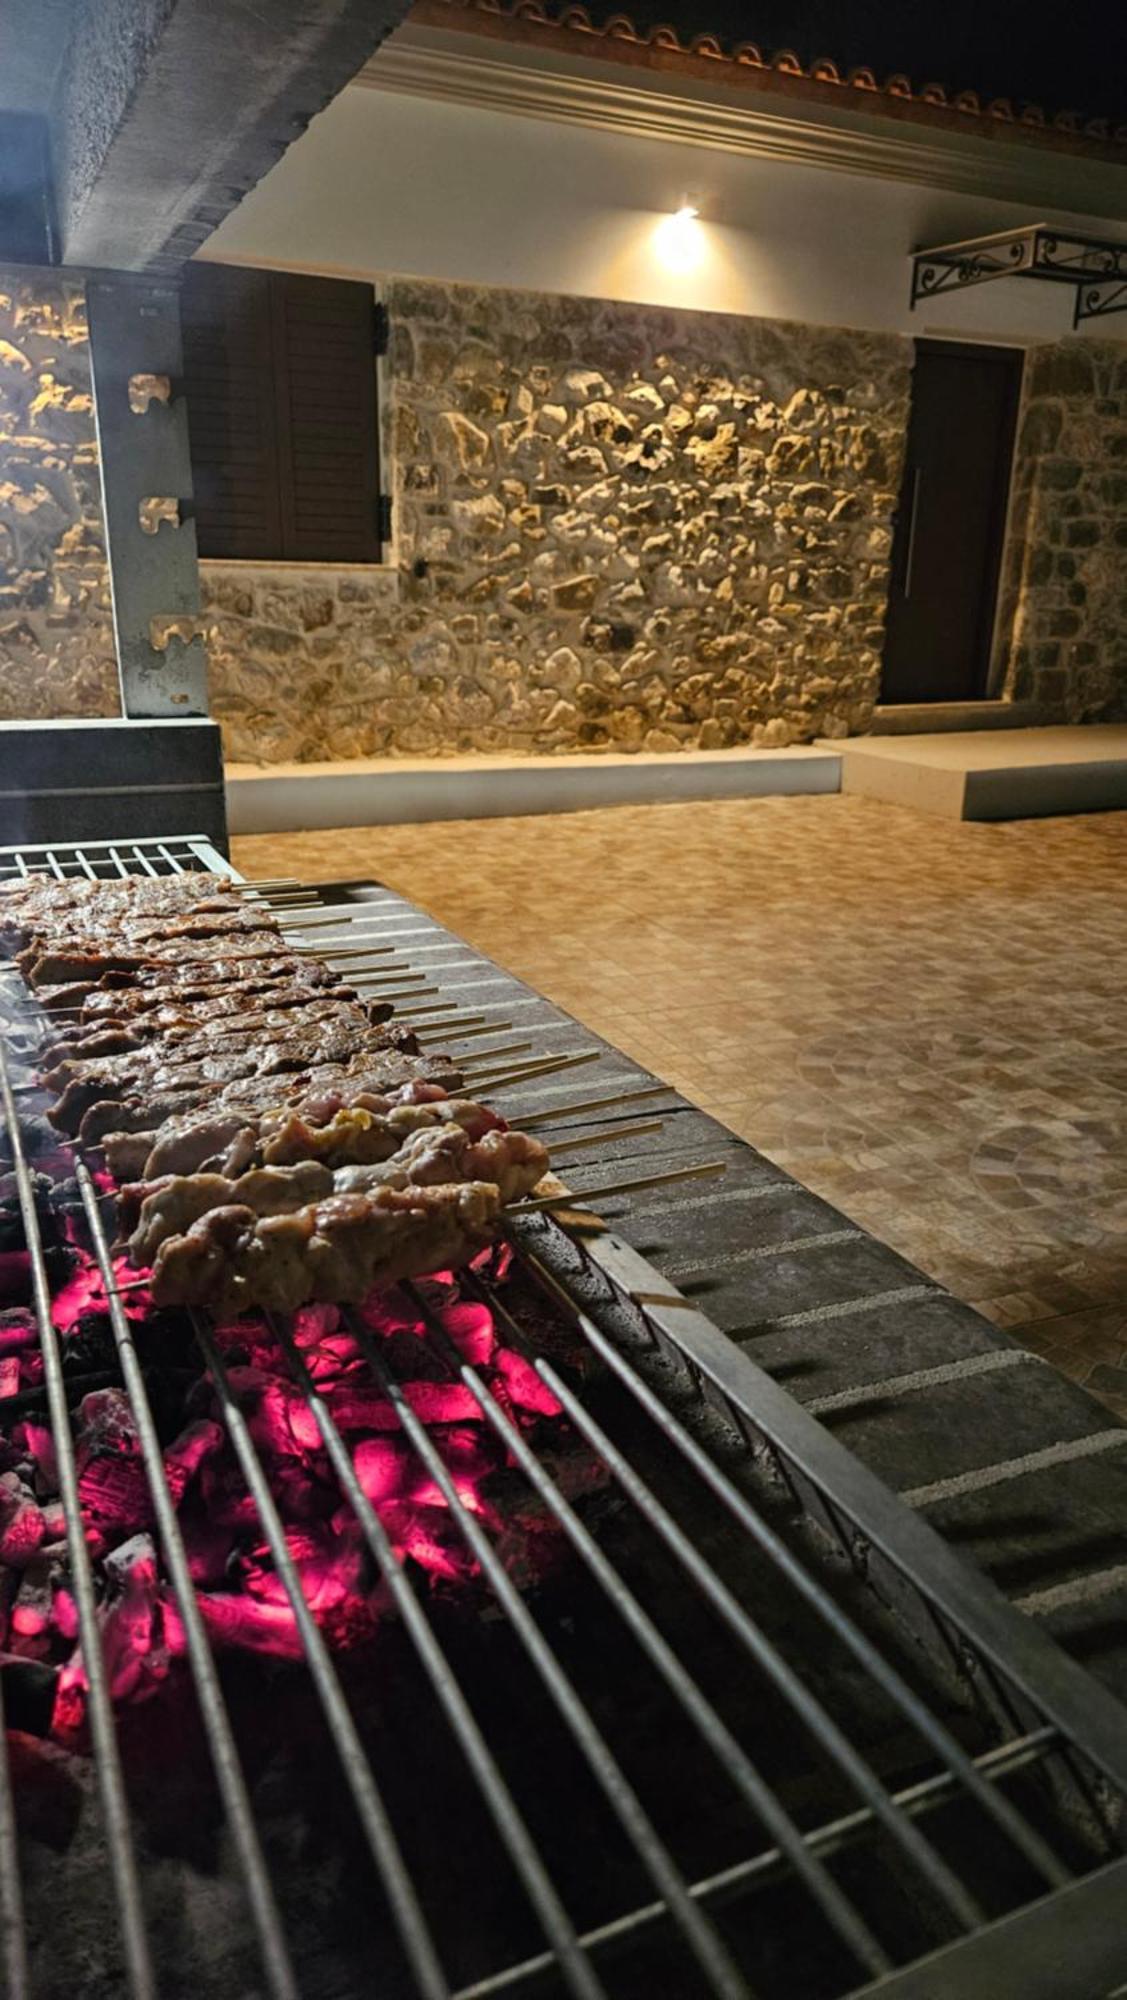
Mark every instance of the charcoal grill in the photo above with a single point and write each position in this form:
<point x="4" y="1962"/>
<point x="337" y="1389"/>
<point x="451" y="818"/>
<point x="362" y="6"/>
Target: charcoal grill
<point x="762" y="1734"/>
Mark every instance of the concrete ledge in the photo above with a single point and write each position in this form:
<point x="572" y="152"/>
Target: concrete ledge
<point x="291" y="798"/>
<point x="932" y="718"/>
<point x="985" y="775"/>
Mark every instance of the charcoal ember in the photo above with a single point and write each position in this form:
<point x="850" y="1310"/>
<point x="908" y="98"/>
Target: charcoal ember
<point x="241" y="1622"/>
<point x="29" y="1693"/>
<point x="185" y="1455"/>
<point x="134" y="1645"/>
<point x="22" y="1526"/>
<point x="112" y="1486"/>
<point x="12" y="1233"/>
<point x="278" y="1417"/>
<point x="224" y="1496"/>
<point x="18" y="1330"/>
<point x="89" y="1347"/>
<point x="38" y="1447"/>
<point x="45" y="1604"/>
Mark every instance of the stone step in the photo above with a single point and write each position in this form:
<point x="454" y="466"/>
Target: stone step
<point x="287" y="798"/>
<point x="986" y="774"/>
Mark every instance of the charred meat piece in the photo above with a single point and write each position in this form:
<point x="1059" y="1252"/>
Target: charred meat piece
<point x="335" y="1251"/>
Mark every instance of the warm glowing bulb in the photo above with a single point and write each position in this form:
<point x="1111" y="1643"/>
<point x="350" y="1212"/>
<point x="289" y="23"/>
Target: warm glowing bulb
<point x="679" y="240"/>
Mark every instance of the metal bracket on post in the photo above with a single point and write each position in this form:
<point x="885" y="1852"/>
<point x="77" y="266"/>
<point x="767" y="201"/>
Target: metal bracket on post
<point x="143" y="449"/>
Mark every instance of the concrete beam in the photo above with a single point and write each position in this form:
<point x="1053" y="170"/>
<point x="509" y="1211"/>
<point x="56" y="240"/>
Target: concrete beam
<point x="167" y="112"/>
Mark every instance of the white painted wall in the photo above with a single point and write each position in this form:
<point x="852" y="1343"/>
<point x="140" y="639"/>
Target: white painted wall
<point x="433" y="189"/>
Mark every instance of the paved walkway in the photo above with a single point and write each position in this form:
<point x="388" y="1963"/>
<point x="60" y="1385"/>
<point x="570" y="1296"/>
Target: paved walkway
<point x="924" y="1021"/>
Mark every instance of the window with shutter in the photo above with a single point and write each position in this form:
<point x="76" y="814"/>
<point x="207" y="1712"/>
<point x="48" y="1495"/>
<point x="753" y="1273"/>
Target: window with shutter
<point x="280" y="376"/>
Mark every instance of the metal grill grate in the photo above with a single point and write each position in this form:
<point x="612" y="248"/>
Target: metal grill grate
<point x="890" y="1831"/>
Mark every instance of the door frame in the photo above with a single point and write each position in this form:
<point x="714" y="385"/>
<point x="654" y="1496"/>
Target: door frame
<point x="987" y="643"/>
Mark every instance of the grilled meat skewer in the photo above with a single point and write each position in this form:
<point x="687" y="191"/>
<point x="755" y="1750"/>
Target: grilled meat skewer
<point x="432" y="1156"/>
<point x="344" y="1027"/>
<point x="336" y="1250"/>
<point x="232" y="1013"/>
<point x="124" y="1079"/>
<point x="343" y="1127"/>
<point x="119" y="993"/>
<point x="89" y="959"/>
<point x="177" y="1132"/>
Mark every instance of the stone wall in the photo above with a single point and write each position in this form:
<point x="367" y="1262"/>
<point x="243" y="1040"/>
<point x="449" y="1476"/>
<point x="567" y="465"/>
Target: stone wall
<point x="56" y="640"/>
<point x="1064" y="599"/>
<point x="618" y="527"/>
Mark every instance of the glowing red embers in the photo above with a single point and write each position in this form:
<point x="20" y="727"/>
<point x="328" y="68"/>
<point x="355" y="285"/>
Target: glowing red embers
<point x="84" y="1292"/>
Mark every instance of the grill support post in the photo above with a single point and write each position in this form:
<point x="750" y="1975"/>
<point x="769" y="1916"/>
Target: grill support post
<point x="137" y="368"/>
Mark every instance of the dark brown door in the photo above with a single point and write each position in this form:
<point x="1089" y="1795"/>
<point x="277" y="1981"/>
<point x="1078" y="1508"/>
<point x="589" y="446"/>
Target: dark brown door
<point x="947" y="543"/>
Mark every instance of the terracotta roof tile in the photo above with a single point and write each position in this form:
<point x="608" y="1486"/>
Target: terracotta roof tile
<point x="531" y="21"/>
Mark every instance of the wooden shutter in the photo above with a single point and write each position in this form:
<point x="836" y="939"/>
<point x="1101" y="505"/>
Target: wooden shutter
<point x="325" y="376"/>
<point x="281" y="384"/>
<point x="232" y="424"/>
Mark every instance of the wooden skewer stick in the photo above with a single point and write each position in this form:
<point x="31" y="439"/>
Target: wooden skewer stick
<point x="606" y="1134"/>
<point x="594" y="1104"/>
<point x="472" y="1062"/>
<point x="458" y="1033"/>
<point x="273" y="907"/>
<point x="272" y="882"/>
<point x="531" y="1072"/>
<point x="330" y="954"/>
<point x="581" y="1196"/>
<point x="395" y="975"/>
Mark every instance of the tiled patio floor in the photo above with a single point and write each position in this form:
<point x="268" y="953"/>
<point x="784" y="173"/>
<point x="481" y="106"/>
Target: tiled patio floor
<point x="925" y="1021"/>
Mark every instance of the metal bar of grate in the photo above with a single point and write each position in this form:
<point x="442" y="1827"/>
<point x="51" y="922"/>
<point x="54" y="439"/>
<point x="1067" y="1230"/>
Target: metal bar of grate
<point x="760" y="1870"/>
<point x="414" y="1932"/>
<point x="213" y="1712"/>
<point x="796" y="1574"/>
<point x="13" y="1932"/>
<point x="700" y="1935"/>
<point x="757" y="1794"/>
<point x="525" y="1856"/>
<point x="107" y="1759"/>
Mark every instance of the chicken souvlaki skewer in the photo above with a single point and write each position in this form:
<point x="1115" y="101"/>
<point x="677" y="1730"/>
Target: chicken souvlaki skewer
<point x="346" y="1126"/>
<point x="433" y="1155"/>
<point x="335" y="1250"/>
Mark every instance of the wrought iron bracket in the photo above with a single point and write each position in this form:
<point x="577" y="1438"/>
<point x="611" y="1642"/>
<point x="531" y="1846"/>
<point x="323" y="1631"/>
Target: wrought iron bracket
<point x="1096" y="267"/>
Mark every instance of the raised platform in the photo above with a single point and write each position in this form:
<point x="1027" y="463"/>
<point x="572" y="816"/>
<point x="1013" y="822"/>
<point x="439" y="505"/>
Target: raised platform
<point x="992" y="774"/>
<point x="290" y="798"/>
